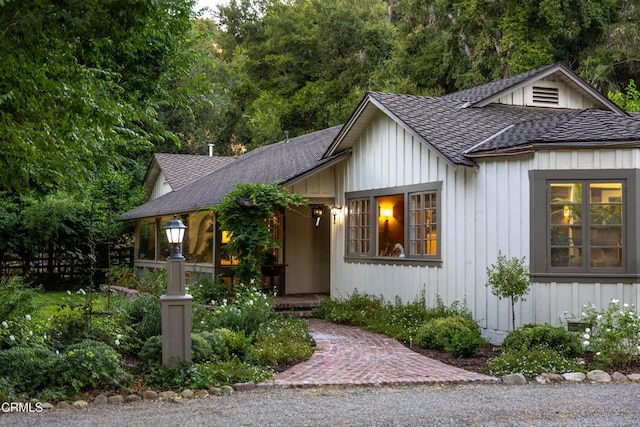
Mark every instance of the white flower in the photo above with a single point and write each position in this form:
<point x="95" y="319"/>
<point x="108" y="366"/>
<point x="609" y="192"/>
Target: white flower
<point x="81" y="291"/>
<point x="27" y="316"/>
<point x="5" y="325"/>
<point x="615" y="301"/>
<point x="586" y="336"/>
<point x="625" y="305"/>
<point x="117" y="342"/>
<point x="12" y="338"/>
<point x="599" y="317"/>
<point x="587" y="330"/>
<point x="583" y="314"/>
<point x="119" y="336"/>
<point x="69" y="292"/>
<point x="585" y="343"/>
<point x="598" y="353"/>
<point x="57" y="353"/>
<point x="30" y="333"/>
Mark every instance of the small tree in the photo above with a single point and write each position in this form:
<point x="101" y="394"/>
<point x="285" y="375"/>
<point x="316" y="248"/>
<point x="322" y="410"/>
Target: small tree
<point x="509" y="278"/>
<point x="247" y="213"/>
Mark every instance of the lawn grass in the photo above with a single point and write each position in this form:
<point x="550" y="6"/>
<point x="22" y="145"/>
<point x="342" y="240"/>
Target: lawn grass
<point x="48" y="303"/>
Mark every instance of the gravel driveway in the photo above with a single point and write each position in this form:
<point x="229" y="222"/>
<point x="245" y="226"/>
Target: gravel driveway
<point x="477" y="405"/>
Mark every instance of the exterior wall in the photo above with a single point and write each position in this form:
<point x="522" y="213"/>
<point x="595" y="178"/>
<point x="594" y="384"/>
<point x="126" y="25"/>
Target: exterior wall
<point x="161" y="187"/>
<point x="386" y="155"/>
<point x="549" y="301"/>
<point x="484" y="210"/>
<point x="568" y="98"/>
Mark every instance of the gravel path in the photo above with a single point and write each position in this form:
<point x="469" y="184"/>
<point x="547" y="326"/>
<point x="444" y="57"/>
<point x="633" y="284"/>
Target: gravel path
<point x="461" y="405"/>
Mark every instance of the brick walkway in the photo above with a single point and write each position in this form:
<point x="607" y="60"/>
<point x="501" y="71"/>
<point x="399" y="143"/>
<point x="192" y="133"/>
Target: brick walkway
<point x="346" y="355"/>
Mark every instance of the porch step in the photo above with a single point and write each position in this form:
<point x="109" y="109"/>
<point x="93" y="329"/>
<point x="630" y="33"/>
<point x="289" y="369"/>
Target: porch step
<point x="296" y="305"/>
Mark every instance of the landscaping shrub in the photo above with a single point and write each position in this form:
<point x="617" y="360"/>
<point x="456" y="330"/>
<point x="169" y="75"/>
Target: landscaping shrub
<point x="145" y="314"/>
<point x="87" y="364"/>
<point x="283" y="341"/>
<point x="440" y="334"/>
<point x="245" y="312"/>
<point x="27" y="369"/>
<point x="235" y="343"/>
<point x="614" y="337"/>
<point x="543" y="335"/>
<point x="201" y="350"/>
<point x="225" y="372"/>
<point x="68" y="326"/>
<point x="7" y="392"/>
<point x="532" y="361"/>
<point x="16" y="299"/>
<point x="207" y="291"/>
<point x="151" y="351"/>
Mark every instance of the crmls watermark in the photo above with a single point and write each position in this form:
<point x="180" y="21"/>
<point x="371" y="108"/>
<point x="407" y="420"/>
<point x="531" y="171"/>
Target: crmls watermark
<point x="21" y="407"/>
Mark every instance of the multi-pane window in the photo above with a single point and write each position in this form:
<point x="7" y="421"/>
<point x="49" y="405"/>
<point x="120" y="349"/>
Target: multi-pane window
<point x="399" y="222"/>
<point x="359" y="226"/>
<point x="423" y="225"/>
<point x="586" y="225"/>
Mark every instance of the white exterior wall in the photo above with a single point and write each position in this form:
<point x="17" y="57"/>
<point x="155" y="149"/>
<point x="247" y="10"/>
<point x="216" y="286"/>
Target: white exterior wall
<point x="161" y="187"/>
<point x="386" y="155"/>
<point x="550" y="300"/>
<point x="567" y="98"/>
<point x="484" y="211"/>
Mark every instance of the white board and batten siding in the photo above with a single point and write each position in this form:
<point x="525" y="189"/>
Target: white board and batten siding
<point x="550" y="301"/>
<point x="161" y="187"/>
<point x="387" y="155"/>
<point x="566" y="97"/>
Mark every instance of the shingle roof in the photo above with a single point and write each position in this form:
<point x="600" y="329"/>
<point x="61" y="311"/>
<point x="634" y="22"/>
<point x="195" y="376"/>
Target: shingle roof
<point x="583" y="126"/>
<point x="451" y="130"/>
<point x="279" y="162"/>
<point x="182" y="169"/>
<point x="487" y="90"/>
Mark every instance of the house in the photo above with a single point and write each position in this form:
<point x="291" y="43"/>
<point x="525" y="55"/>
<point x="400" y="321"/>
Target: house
<point x="426" y="191"/>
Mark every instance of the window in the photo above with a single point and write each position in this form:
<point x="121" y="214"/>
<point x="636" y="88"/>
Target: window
<point x="585" y="218"/>
<point x="396" y="223"/>
<point x="147" y="239"/>
<point x="359" y="226"/>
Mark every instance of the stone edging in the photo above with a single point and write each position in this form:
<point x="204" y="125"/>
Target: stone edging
<point x="595" y="376"/>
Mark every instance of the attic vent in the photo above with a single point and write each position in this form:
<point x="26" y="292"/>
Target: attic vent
<point x="545" y="95"/>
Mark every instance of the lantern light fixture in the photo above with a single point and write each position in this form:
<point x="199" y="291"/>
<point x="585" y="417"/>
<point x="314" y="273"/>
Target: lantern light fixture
<point x="335" y="210"/>
<point x="175" y="235"/>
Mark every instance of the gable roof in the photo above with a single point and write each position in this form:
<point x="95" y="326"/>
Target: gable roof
<point x="457" y="125"/>
<point x="181" y="169"/>
<point x="282" y="162"/>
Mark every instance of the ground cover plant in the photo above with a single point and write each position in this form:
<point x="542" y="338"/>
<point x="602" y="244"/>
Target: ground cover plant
<point x="610" y="339"/>
<point x="56" y="346"/>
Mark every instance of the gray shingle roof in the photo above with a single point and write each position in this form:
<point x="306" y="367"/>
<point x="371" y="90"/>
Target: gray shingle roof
<point x="182" y="169"/>
<point x="451" y="130"/>
<point x="479" y="93"/>
<point x="279" y="162"/>
<point x="583" y="126"/>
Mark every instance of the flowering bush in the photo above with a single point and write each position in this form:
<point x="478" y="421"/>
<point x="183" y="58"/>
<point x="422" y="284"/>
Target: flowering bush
<point x="245" y="312"/>
<point x="283" y="341"/>
<point x="614" y="334"/>
<point x="23" y="332"/>
<point x="458" y="335"/>
<point x="533" y="361"/>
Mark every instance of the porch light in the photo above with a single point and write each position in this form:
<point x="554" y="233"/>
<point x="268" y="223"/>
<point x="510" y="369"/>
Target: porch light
<point x="335" y="210"/>
<point x="175" y="234"/>
<point x="316" y="214"/>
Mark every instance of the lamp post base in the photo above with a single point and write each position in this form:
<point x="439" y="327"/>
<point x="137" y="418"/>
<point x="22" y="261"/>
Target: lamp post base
<point x="176" y="329"/>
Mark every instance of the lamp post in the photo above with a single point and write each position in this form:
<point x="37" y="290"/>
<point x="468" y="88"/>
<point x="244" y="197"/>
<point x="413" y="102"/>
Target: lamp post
<point x="176" y="305"/>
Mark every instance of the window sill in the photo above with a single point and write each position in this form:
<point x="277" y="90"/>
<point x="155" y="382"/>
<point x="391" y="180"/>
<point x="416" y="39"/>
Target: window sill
<point x="585" y="277"/>
<point x="393" y="261"/>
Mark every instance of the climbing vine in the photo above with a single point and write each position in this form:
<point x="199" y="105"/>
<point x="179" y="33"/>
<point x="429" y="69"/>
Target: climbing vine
<point x="249" y="213"/>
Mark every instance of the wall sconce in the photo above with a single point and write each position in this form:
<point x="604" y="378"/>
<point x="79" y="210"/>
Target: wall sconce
<point x="386" y="213"/>
<point x="316" y="214"/>
<point x="335" y="210"/>
<point x="566" y="211"/>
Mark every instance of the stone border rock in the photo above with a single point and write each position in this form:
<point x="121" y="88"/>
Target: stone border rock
<point x="595" y="376"/>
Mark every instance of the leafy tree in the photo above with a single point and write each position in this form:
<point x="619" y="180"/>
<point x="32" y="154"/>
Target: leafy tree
<point x="247" y="213"/>
<point x="629" y="100"/>
<point x="509" y="278"/>
<point x="82" y="83"/>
